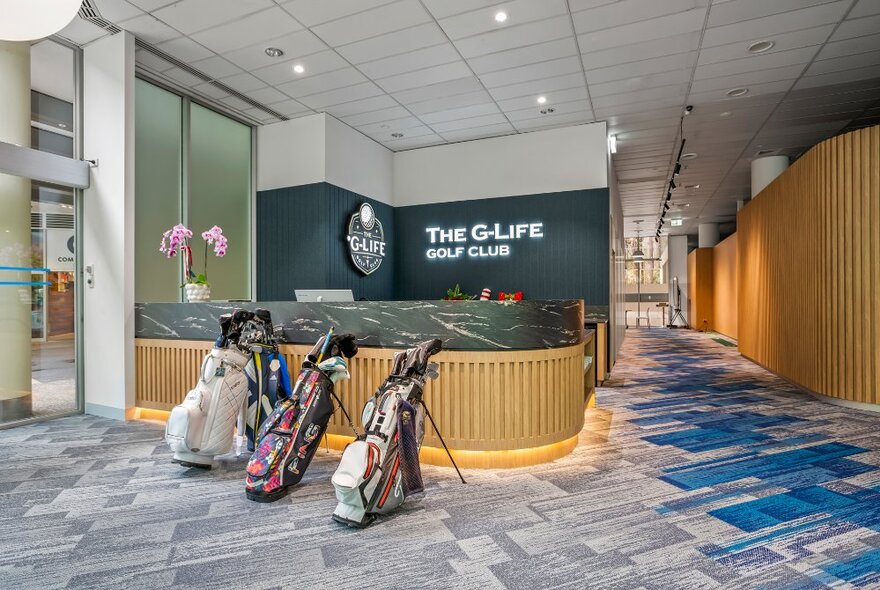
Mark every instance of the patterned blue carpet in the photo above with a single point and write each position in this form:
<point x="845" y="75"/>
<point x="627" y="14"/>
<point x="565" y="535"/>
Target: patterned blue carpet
<point x="699" y="470"/>
<point x="785" y="489"/>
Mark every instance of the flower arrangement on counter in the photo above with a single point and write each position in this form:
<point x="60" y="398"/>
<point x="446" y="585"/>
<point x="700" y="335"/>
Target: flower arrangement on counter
<point x="177" y="240"/>
<point x="510" y="297"/>
<point x="456" y="294"/>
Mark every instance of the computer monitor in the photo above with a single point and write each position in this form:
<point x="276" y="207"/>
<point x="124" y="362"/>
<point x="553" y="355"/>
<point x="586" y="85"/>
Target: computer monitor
<point x="323" y="295"/>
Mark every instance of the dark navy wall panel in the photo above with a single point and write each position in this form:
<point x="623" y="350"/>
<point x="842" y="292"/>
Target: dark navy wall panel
<point x="570" y="261"/>
<point x="301" y="243"/>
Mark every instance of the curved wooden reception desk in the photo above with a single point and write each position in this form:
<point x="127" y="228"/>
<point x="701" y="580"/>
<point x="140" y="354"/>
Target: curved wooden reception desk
<point x="514" y="379"/>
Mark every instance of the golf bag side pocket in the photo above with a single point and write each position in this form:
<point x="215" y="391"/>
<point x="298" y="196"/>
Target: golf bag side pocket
<point x="356" y="478"/>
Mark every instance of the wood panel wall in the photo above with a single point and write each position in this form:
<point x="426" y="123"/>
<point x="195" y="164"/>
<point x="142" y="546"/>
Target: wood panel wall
<point x="724" y="281"/>
<point x="701" y="300"/>
<point x="809" y="268"/>
<point x="494" y="401"/>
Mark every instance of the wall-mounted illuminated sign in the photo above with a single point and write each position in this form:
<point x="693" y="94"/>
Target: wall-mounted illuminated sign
<point x="366" y="240"/>
<point x="481" y="240"/>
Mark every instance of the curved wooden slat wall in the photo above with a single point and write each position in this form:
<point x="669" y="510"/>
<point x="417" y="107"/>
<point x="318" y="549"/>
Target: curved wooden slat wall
<point x="809" y="269"/>
<point x="482" y="401"/>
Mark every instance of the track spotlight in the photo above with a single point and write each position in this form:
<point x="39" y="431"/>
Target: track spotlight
<point x="669" y="196"/>
<point x="672" y="185"/>
<point x="677" y="170"/>
<point x="666" y="206"/>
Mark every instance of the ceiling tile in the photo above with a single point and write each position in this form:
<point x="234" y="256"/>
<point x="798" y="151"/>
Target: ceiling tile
<point x="249" y="30"/>
<point x="189" y="16"/>
<point x="410" y="61"/>
<point x="548" y="69"/>
<point x="408" y="143"/>
<point x="673" y="78"/>
<point x="643" y="50"/>
<point x="534" y="112"/>
<point x="537" y="87"/>
<point x="116" y="10"/>
<point x="315" y="64"/>
<point x="267" y="95"/>
<point x="754" y="63"/>
<point x="341" y="95"/>
<point x="396" y="43"/>
<point x="864" y="8"/>
<point x="81" y="32"/>
<point x="216" y="67"/>
<point x="748" y="79"/>
<point x="315" y="12"/>
<point x="519" y="12"/>
<point x="856" y="28"/>
<point x="681" y="61"/>
<point x="558" y="96"/>
<point x="444" y="8"/>
<point x="548" y="121"/>
<point x="849" y="47"/>
<point x="409" y="132"/>
<point x="734" y="11"/>
<point x="451" y="88"/>
<point x="516" y="36"/>
<point x="370" y="23"/>
<point x="243" y="82"/>
<point x="425" y="77"/>
<point x="479" y="132"/>
<point x="182" y="76"/>
<point x="672" y="93"/>
<point x="289" y="107"/>
<point x="149" y="29"/>
<point x="522" y="56"/>
<point x="378" y="116"/>
<point x="185" y="49"/>
<point x="322" y="82"/>
<point x="779" y="23"/>
<point x="235" y="103"/>
<point x="295" y="46"/>
<point x="649" y="30"/>
<point x="783" y="42"/>
<point x="847" y="62"/>
<point x="150" y="5"/>
<point x="477" y="110"/>
<point x="626" y="12"/>
<point x="445" y="103"/>
<point x="373" y="103"/>
<point x="480" y="121"/>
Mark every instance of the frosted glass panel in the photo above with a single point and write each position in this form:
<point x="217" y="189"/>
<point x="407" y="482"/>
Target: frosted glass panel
<point x="158" y="172"/>
<point x="220" y="194"/>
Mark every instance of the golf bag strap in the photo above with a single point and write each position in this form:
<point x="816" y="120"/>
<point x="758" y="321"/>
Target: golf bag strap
<point x="345" y="412"/>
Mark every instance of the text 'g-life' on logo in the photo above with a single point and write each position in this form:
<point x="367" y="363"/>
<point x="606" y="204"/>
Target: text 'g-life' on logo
<point x="366" y="240"/>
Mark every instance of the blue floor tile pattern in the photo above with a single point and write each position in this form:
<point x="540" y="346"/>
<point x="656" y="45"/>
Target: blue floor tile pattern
<point x="698" y="470"/>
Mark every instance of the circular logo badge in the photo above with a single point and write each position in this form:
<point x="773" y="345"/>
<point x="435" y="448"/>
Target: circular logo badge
<point x="368" y="218"/>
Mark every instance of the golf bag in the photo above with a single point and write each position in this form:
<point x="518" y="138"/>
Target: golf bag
<point x="268" y="383"/>
<point x="289" y="437"/>
<point x="202" y="426"/>
<point x="381" y="468"/>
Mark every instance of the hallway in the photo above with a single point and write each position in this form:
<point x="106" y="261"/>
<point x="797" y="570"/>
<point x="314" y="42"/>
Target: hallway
<point x="698" y="470"/>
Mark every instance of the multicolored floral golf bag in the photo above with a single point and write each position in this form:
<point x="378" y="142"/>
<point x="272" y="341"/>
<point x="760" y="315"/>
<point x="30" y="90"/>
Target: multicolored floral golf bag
<point x="381" y="468"/>
<point x="289" y="437"/>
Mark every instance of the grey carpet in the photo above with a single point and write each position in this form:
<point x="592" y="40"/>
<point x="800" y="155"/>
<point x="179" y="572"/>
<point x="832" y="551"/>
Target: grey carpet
<point x="92" y="503"/>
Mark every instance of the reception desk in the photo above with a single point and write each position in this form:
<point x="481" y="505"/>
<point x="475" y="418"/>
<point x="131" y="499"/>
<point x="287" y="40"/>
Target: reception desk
<point x="514" y="378"/>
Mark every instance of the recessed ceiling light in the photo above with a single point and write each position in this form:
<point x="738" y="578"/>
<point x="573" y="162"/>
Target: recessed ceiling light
<point x="62" y="125"/>
<point x="500" y="16"/>
<point x="547" y="111"/>
<point x="734" y="92"/>
<point x="274" y="52"/>
<point x="397" y="135"/>
<point x="725" y="114"/>
<point x="542" y="99"/>
<point x="299" y="69"/>
<point x="689" y="156"/>
<point x="761" y="46"/>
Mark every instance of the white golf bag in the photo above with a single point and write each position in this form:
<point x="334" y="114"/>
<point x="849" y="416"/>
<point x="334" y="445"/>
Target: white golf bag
<point x="203" y="425"/>
<point x="381" y="468"/>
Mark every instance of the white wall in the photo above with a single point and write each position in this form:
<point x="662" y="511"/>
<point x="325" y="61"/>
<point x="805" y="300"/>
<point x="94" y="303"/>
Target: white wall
<point x="568" y="158"/>
<point x="357" y="163"/>
<point x="108" y="226"/>
<point x="291" y="153"/>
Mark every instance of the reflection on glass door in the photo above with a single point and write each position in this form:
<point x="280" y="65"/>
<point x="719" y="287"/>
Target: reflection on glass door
<point x="38" y="376"/>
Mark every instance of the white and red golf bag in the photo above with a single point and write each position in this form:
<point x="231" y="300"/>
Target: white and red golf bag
<point x="381" y="468"/>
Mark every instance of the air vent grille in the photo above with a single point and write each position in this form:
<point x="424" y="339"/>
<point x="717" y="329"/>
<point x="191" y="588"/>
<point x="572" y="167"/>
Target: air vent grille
<point x="36" y="221"/>
<point x="88" y="11"/>
<point x="59" y="221"/>
<point x="203" y="76"/>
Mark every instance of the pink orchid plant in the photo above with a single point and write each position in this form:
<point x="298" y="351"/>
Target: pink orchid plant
<point x="176" y="240"/>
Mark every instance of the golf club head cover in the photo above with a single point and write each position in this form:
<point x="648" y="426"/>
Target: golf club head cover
<point x="344" y="344"/>
<point x="263" y="315"/>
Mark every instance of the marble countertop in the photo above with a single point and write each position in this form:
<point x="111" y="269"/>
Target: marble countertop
<point x="462" y="325"/>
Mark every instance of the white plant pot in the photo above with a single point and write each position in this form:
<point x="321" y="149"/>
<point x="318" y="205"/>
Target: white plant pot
<point x="197" y="292"/>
